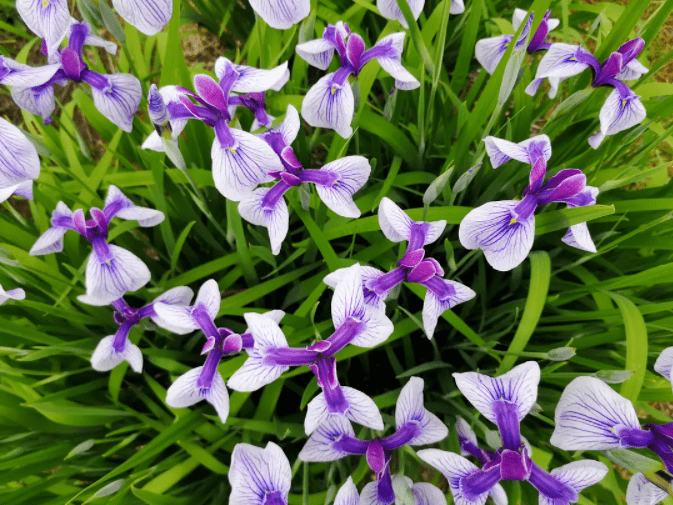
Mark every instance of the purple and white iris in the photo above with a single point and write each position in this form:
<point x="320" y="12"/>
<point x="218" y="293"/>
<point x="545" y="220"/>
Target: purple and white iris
<point x="19" y="162"/>
<point x="591" y="416"/>
<point x="116" y="96"/>
<point x="641" y="491"/>
<point x="415" y="425"/>
<point x="330" y="103"/>
<point x="259" y="476"/>
<point x="390" y="10"/>
<point x="505" y="229"/>
<point x="241" y="160"/>
<point x="335" y="183"/>
<point x="442" y="294"/>
<point x="114" y="349"/>
<point x="355" y="323"/>
<point x="11" y="294"/>
<point x="505" y="401"/>
<point x="490" y="51"/>
<point x="623" y="108"/>
<point x="111" y="270"/>
<point x="281" y="14"/>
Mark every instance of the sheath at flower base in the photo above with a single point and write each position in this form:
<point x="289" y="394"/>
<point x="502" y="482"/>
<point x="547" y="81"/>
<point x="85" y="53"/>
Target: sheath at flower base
<point x="591" y="416"/>
<point x="111" y="271"/>
<point x="505" y="230"/>
<point x="281" y="14"/>
<point x="330" y="102"/>
<point x="11" y="294"/>
<point x="389" y="9"/>
<point x="240" y="159"/>
<point x="335" y="183"/>
<point x="115" y="349"/>
<point x="355" y="323"/>
<point x="442" y="294"/>
<point x="490" y="51"/>
<point x="259" y="476"/>
<point x="116" y="96"/>
<point x="505" y="401"/>
<point x="19" y="163"/>
<point x="641" y="491"/>
<point x="623" y="108"/>
<point x="335" y="439"/>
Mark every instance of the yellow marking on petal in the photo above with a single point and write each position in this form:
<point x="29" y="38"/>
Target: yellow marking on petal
<point x="108" y="262"/>
<point x="232" y="150"/>
<point x="45" y="4"/>
<point x="333" y="90"/>
<point x="512" y="221"/>
<point x="623" y="103"/>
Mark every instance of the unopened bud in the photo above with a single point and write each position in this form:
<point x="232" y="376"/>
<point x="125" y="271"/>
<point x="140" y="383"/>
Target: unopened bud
<point x="561" y="354"/>
<point x="157" y="108"/>
<point x="614" y="376"/>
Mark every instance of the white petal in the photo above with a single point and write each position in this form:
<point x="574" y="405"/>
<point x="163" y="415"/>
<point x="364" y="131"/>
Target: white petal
<point x="433" y="307"/>
<point x="124" y="208"/>
<point x="255" y="472"/>
<point x="209" y="296"/>
<point x="498" y="495"/>
<point x="518" y="386"/>
<point x="317" y="53"/>
<point x="148" y="16"/>
<point x="390" y="10"/>
<point x="351" y="174"/>
<point x="348" y="299"/>
<point x="578" y="236"/>
<point x="180" y="296"/>
<point x="457" y="7"/>
<point x="632" y="71"/>
<point x="24" y="75"/>
<point x="518" y="17"/>
<point x="362" y="410"/>
<point x="51" y="241"/>
<point x="428" y="494"/>
<point x="120" y="101"/>
<point x="664" y="363"/>
<point x="281" y="14"/>
<point x="175" y="318"/>
<point x="319" y="448"/>
<point x="276" y="220"/>
<point x="184" y="392"/>
<point x="19" y="161"/>
<point x="105" y="358"/>
<point x="501" y="150"/>
<point x="618" y="114"/>
<point x="251" y="79"/>
<point x="154" y="142"/>
<point x="348" y="494"/>
<point x="410" y="409"/>
<point x="393" y="64"/>
<point x="394" y="222"/>
<point x="578" y="475"/>
<point x="455" y="468"/>
<point x="490" y="51"/>
<point x="465" y="431"/>
<point x="641" y="491"/>
<point x="323" y="107"/>
<point x="39" y="101"/>
<point x="377" y="328"/>
<point x="49" y="20"/>
<point x="16" y="294"/>
<point x="109" y="281"/>
<point x="560" y="61"/>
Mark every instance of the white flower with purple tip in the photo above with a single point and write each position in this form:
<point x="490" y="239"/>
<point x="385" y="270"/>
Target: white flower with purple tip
<point x="19" y="163"/>
<point x="330" y="102"/>
<point x="11" y="294"/>
<point x="641" y="491"/>
<point x="259" y="476"/>
<point x="505" y="230"/>
<point x="111" y="271"/>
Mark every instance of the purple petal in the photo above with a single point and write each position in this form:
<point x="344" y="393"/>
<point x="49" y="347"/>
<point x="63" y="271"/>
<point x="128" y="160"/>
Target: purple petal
<point x="641" y="491"/>
<point x="391" y="61"/>
<point x="257" y="473"/>
<point x="618" y="114"/>
<point x="281" y="14"/>
<point x="105" y="358"/>
<point x="118" y="205"/>
<point x="390" y="10"/>
<point x="528" y="151"/>
<point x="51" y="241"/>
<point x="157" y="107"/>
<point x="255" y="373"/>
<point x="490" y="51"/>
<point x="24" y="75"/>
<point x="518" y="386"/>
<point x="185" y="392"/>
<point x="435" y="305"/>
<point x="90" y="38"/>
<point x="148" y="16"/>
<point x="361" y="410"/>
<point x="38" y="100"/>
<point x="109" y="280"/>
<point x="210" y="91"/>
<point x="47" y="19"/>
<point x="410" y="410"/>
<point x="254" y="209"/>
<point x="330" y="104"/>
<point x="348" y="175"/>
<point x="317" y="53"/>
<point x="493" y="229"/>
<point x="456" y="469"/>
<point x="323" y="444"/>
<point x="348" y="494"/>
<point x="588" y="413"/>
<point x="571" y="185"/>
<point x="119" y="101"/>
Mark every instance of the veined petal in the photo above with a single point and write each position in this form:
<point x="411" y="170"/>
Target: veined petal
<point x="180" y="296"/>
<point x="175" y="318"/>
<point x="632" y="71"/>
<point x="239" y="168"/>
<point x="276" y="219"/>
<point x="255" y="373"/>
<point x="588" y="413"/>
<point x="209" y="297"/>
<point x="349" y="174"/>
<point x="434" y="306"/>
<point x="361" y="410"/>
<point x="110" y="280"/>
<point x="148" y="16"/>
<point x="410" y="409"/>
<point x="256" y="473"/>
<point x="377" y="328"/>
<point x="493" y="229"/>
<point x="617" y="114"/>
<point x="17" y="294"/>
<point x="490" y="51"/>
<point x="24" y="75"/>
<point x="281" y="14"/>
<point x="390" y="10"/>
<point x="498" y="495"/>
<point x="394" y="222"/>
<point x="576" y="475"/>
<point x="330" y="105"/>
<point x="105" y="358"/>
<point x="391" y="61"/>
<point x="92" y="39"/>
<point x="120" y="100"/>
<point x="118" y="205"/>
<point x="251" y="79"/>
<point x="367" y="273"/>
<point x="19" y="161"/>
<point x="51" y="241"/>
<point x="578" y="236"/>
<point x="348" y="494"/>
<point x="518" y="386"/>
<point x="457" y="7"/>
<point x="290" y="126"/>
<point x="561" y="60"/>
<point x="348" y="299"/>
<point x="641" y="491"/>
<point x="317" y="53"/>
<point x="428" y="494"/>
<point x="38" y="100"/>
<point x="47" y="19"/>
<point x="322" y="447"/>
<point x="528" y="151"/>
<point x="455" y="468"/>
<point x="185" y="392"/>
<point x="664" y="363"/>
<point x="466" y="435"/>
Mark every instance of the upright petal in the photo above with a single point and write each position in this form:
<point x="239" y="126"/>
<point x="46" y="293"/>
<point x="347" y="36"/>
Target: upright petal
<point x="324" y="442"/>
<point x="254" y="209"/>
<point x="641" y="491"/>
<point x="19" y="74"/>
<point x="394" y="222"/>
<point x="632" y="71"/>
<point x="38" y="100"/>
<point x="281" y="14"/>
<point x="410" y="411"/>
<point x="257" y="474"/>
<point x="91" y="39"/>
<point x="255" y="372"/>
<point x="617" y="114"/>
<point x="361" y="410"/>
<point x="518" y="386"/>
<point x="105" y="357"/>
<point x="664" y="363"/>
<point x="528" y="151"/>
<point x="348" y="175"/>
<point x="180" y="296"/>
<point x="174" y="314"/>
<point x="348" y="299"/>
<point x="457" y="7"/>
<point x="185" y="392"/>
<point x="348" y="494"/>
<point x="492" y="228"/>
<point x="119" y="100"/>
<point x="490" y="51"/>
<point x="118" y="205"/>
<point x="14" y="294"/>
<point x="435" y="304"/>
<point x="317" y="53"/>
<point x="107" y="281"/>
<point x="47" y="19"/>
<point x="148" y="16"/>
<point x="390" y="10"/>
<point x="590" y="415"/>
<point x="330" y="104"/>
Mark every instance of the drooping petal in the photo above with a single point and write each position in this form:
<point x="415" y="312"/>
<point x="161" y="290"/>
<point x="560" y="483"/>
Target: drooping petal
<point x="257" y="473"/>
<point x="498" y="495"/>
<point x="323" y="444"/>
<point x="664" y="363"/>
<point x="118" y="205"/>
<point x="255" y="372"/>
<point x="349" y="174"/>
<point x="49" y="20"/>
<point x="390" y="10"/>
<point x="576" y="476"/>
<point x="361" y="410"/>
<point x="518" y="386"/>
<point x="105" y="358"/>
<point x="428" y="494"/>
<point x="180" y="296"/>
<point x="185" y="392"/>
<point x="528" y="151"/>
<point x="251" y="79"/>
<point x="641" y="491"/>
<point x="578" y="236"/>
<point x="148" y="16"/>
<point x="19" y="162"/>
<point x="174" y="314"/>
<point x="38" y="100"/>
<point x="281" y="14"/>
<point x="107" y="281"/>
<point x="119" y="99"/>
<point x="275" y="219"/>
<point x="91" y="39"/>
<point x="240" y="167"/>
<point x="492" y="228"/>
<point x="14" y="294"/>
<point x="617" y="114"/>
<point x="490" y="51"/>
<point x="23" y="75"/>
<point x="51" y="241"/>
<point x="378" y="327"/>
<point x="410" y="410"/>
<point x="329" y="104"/>
<point x="317" y="53"/>
<point x="435" y="305"/>
<point x="391" y="60"/>
<point x="348" y="494"/>
<point x="563" y="61"/>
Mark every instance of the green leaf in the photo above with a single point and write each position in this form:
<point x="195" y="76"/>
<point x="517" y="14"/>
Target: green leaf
<point x="636" y="346"/>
